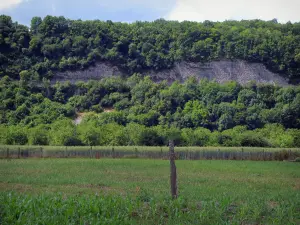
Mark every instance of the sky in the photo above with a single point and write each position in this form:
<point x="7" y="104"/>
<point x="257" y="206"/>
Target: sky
<point x="133" y="10"/>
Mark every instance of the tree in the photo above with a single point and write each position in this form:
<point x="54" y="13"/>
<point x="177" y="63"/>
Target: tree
<point x="142" y="45"/>
<point x="16" y="135"/>
<point x="247" y="97"/>
<point x="38" y="135"/>
<point x="197" y="112"/>
<point x="149" y="137"/>
<point x="225" y="122"/>
<point x="90" y="137"/>
<point x="35" y="23"/>
<point x="63" y="132"/>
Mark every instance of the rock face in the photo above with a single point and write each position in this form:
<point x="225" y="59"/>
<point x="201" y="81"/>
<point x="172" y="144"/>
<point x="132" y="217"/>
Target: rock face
<point x="222" y="71"/>
<point x="97" y="72"/>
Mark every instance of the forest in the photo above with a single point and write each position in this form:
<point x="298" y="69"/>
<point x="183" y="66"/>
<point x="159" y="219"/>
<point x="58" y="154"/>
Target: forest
<point x="142" y="112"/>
<point x="134" y="110"/>
<point x="55" y="44"/>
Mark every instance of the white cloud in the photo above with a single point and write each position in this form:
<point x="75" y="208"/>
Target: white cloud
<point x="220" y="10"/>
<point x="6" y="4"/>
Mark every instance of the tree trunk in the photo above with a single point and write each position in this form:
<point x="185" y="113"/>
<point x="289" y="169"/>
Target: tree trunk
<point x="173" y="175"/>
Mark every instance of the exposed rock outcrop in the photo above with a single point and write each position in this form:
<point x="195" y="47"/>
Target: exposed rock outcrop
<point x="224" y="70"/>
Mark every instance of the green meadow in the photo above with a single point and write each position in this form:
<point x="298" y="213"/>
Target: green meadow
<point x="136" y="191"/>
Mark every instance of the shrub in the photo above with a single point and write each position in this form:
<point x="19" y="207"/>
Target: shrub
<point x="72" y="141"/>
<point x="16" y="136"/>
<point x="150" y="137"/>
<point x="253" y="140"/>
<point x="97" y="109"/>
<point x="38" y="136"/>
<point x="225" y="140"/>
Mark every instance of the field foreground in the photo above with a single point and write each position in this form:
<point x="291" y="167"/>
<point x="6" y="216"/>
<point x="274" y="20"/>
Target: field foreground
<point x="135" y="191"/>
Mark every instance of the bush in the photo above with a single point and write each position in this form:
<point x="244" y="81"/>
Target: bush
<point x="224" y="140"/>
<point x="16" y="136"/>
<point x="97" y="109"/>
<point x="150" y="137"/>
<point x="38" y="136"/>
<point x="253" y="140"/>
<point x="72" y="141"/>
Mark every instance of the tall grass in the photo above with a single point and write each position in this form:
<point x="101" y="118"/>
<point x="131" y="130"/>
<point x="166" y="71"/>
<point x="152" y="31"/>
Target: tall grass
<point x="183" y="153"/>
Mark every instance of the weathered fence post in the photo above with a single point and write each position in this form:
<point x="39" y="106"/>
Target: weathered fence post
<point x="42" y="152"/>
<point x="19" y="152"/>
<point x="173" y="175"/>
<point x="7" y="153"/>
<point x="242" y="153"/>
<point x="113" y="152"/>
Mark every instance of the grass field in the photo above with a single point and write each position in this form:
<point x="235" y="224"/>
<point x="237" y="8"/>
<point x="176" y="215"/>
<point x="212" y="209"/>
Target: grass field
<point x="136" y="191"/>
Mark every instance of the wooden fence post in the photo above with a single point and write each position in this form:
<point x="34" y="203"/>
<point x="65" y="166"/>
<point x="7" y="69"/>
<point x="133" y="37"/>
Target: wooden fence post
<point x="173" y="175"/>
<point x="7" y="153"/>
<point x="42" y="155"/>
<point x="113" y="152"/>
<point x="242" y="153"/>
<point x="91" y="151"/>
<point x="19" y="152"/>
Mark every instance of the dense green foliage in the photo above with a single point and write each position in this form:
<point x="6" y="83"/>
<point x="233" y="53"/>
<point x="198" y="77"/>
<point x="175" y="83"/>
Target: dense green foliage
<point x="57" y="44"/>
<point x="146" y="113"/>
<point x="115" y="191"/>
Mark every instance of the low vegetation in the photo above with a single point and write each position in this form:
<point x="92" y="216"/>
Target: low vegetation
<point x="118" y="191"/>
<point x="181" y="153"/>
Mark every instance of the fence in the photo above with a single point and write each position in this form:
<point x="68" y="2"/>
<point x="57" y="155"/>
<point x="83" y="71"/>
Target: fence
<point x="10" y="152"/>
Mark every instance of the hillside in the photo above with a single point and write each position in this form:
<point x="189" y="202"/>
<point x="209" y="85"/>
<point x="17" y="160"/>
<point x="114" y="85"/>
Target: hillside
<point x="149" y="75"/>
<point x="164" y="49"/>
<point x="221" y="71"/>
<point x="142" y="112"/>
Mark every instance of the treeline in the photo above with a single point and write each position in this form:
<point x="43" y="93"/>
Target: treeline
<point x="224" y="114"/>
<point x="89" y="133"/>
<point x="58" y="44"/>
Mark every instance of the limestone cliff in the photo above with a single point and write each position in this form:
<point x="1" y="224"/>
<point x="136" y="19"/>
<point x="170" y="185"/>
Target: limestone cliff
<point x="224" y="70"/>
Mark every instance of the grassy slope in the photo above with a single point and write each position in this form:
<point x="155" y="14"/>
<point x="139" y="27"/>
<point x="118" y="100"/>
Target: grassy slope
<point x="253" y="192"/>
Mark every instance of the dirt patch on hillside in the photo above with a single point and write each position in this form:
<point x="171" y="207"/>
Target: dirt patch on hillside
<point x="79" y="118"/>
<point x="108" y="110"/>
